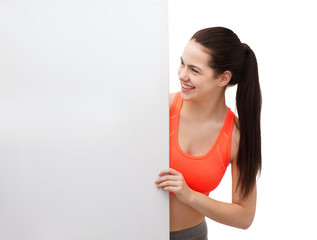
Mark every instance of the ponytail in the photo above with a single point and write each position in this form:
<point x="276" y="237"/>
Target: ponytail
<point x="228" y="53"/>
<point x="249" y="101"/>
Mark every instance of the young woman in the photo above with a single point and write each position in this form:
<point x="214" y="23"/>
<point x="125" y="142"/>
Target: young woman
<point x="205" y="135"/>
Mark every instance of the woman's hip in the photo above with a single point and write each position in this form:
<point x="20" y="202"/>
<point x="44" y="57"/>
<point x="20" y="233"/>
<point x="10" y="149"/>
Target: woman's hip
<point x="198" y="232"/>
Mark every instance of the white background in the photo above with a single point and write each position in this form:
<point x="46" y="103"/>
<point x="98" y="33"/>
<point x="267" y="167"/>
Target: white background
<point x="83" y="119"/>
<point x="283" y="37"/>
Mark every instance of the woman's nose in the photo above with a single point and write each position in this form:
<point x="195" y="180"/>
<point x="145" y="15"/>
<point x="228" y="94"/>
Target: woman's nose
<point x="182" y="74"/>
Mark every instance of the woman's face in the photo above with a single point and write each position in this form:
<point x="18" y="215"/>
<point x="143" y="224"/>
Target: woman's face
<point x="197" y="79"/>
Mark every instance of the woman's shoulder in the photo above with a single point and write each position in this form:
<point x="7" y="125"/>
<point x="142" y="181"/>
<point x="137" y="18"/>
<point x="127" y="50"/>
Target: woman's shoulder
<point x="172" y="97"/>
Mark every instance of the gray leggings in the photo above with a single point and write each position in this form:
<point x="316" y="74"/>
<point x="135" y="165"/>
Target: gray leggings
<point x="198" y="232"/>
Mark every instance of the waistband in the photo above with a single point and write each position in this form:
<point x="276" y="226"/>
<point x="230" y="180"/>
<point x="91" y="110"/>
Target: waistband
<point x="198" y="232"/>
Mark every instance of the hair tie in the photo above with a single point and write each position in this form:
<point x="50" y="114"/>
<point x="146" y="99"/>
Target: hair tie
<point x="246" y="48"/>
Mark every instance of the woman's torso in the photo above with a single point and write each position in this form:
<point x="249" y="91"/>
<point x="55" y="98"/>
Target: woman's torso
<point x="201" y="140"/>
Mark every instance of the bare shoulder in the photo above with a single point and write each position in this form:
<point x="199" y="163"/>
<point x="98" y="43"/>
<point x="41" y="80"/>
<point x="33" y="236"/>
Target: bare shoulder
<point x="235" y="140"/>
<point x="172" y="96"/>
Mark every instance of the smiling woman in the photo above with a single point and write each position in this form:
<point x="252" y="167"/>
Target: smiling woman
<point x="194" y="72"/>
<point x="205" y="135"/>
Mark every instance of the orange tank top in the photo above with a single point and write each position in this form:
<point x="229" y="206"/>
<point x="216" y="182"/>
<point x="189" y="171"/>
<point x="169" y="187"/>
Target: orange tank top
<point x="201" y="173"/>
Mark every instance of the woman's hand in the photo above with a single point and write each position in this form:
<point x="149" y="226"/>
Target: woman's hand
<point x="171" y="180"/>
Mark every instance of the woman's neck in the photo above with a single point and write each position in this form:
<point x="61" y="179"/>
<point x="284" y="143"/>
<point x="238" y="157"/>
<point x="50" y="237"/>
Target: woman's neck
<point x="212" y="108"/>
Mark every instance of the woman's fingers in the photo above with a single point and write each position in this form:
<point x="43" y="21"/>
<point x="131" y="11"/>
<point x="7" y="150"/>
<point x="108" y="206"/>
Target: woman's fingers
<point x="170" y="189"/>
<point x="168" y="184"/>
<point x="169" y="171"/>
<point x="173" y="181"/>
<point x="166" y="178"/>
<point x="169" y="179"/>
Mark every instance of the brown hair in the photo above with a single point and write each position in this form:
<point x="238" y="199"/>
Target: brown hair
<point x="229" y="54"/>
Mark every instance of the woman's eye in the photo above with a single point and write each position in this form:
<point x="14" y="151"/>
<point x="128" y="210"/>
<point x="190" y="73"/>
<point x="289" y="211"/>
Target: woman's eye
<point x="195" y="71"/>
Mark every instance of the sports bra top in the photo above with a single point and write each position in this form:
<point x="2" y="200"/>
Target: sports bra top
<point x="201" y="173"/>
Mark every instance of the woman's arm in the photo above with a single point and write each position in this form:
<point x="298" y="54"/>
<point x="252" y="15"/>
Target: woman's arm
<point x="239" y="213"/>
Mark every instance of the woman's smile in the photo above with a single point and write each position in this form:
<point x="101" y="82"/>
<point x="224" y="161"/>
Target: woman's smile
<point x="186" y="87"/>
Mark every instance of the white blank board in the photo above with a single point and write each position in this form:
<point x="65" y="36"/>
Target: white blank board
<point x="83" y="119"/>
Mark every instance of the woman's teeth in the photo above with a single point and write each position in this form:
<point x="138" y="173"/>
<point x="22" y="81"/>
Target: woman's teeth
<point x="187" y="86"/>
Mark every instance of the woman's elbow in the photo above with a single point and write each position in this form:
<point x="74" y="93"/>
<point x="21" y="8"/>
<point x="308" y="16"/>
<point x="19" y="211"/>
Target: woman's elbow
<point x="247" y="222"/>
<point x="245" y="226"/>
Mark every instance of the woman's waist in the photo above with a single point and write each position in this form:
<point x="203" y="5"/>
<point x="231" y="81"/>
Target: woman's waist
<point x="182" y="216"/>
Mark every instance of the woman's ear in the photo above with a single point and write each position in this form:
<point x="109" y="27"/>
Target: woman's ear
<point x="224" y="79"/>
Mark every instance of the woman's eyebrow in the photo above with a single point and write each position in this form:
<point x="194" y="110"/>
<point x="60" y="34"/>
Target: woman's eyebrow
<point x="192" y="66"/>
